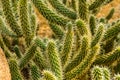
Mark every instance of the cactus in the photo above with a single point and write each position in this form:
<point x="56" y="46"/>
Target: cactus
<point x="63" y="9"/>
<point x="109" y="16"/>
<point x="54" y="60"/>
<point x="79" y="46"/>
<point x="10" y="17"/>
<point x="14" y="69"/>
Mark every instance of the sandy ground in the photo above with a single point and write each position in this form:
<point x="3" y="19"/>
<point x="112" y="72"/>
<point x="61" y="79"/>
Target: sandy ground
<point x="4" y="68"/>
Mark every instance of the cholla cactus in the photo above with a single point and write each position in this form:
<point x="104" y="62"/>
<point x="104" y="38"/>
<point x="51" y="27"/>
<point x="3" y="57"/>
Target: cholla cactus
<point x="80" y="43"/>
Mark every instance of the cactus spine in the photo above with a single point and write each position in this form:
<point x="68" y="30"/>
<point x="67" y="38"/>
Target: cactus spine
<point x="54" y="60"/>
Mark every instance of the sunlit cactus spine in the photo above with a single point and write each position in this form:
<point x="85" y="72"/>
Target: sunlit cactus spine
<point x="14" y="69"/>
<point x="24" y="21"/>
<point x="10" y="17"/>
<point x="35" y="74"/>
<point x="66" y="52"/>
<point x="49" y="14"/>
<point x="96" y="4"/>
<point x="84" y="66"/>
<point x="63" y="9"/>
<point x="83" y="10"/>
<point x="98" y="35"/>
<point x="48" y="75"/>
<point x="100" y="73"/>
<point x="79" y="56"/>
<point x="117" y="77"/>
<point x="92" y="24"/>
<point x="96" y="73"/>
<point x="54" y="60"/>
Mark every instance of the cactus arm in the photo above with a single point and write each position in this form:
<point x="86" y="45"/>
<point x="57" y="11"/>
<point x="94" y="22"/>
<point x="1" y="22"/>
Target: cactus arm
<point x="39" y="60"/>
<point x="48" y="75"/>
<point x="48" y="14"/>
<point x="57" y="30"/>
<point x="109" y="58"/>
<point x="73" y="2"/>
<point x="82" y="28"/>
<point x="10" y="17"/>
<point x="84" y="66"/>
<point x="97" y="73"/>
<point x="112" y="31"/>
<point x="106" y="73"/>
<point x="92" y="24"/>
<point x="54" y="60"/>
<point x="63" y="9"/>
<point x="78" y="57"/>
<point x="96" y="4"/>
<point x="39" y="43"/>
<point x="14" y="70"/>
<point x="17" y="51"/>
<point x="5" y="48"/>
<point x="29" y="54"/>
<point x="109" y="16"/>
<point x="24" y="21"/>
<point x="4" y="30"/>
<point x="33" y="24"/>
<point x="35" y="74"/>
<point x="66" y="52"/>
<point x="83" y="10"/>
<point x="98" y="35"/>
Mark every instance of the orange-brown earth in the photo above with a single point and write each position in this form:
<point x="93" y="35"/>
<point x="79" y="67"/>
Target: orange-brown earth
<point x="4" y="68"/>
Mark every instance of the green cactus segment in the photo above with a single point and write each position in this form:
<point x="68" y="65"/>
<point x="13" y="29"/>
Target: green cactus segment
<point x="5" y="48"/>
<point x="48" y="75"/>
<point x="106" y="74"/>
<point x="40" y="43"/>
<point x="48" y="14"/>
<point x="92" y="24"/>
<point x="33" y="24"/>
<point x="82" y="28"/>
<point x="30" y="9"/>
<point x="39" y="60"/>
<point x="14" y="70"/>
<point x="109" y="16"/>
<point x="29" y="54"/>
<point x="4" y="30"/>
<point x="17" y="51"/>
<point x="117" y="77"/>
<point x="98" y="35"/>
<point x="96" y="4"/>
<point x="66" y="52"/>
<point x="112" y="32"/>
<point x="109" y="58"/>
<point x="24" y="21"/>
<point x="84" y="66"/>
<point x="54" y="60"/>
<point x="57" y="30"/>
<point x="97" y="73"/>
<point x="6" y="40"/>
<point x="15" y="8"/>
<point x="63" y="9"/>
<point x="83" y="10"/>
<point x="73" y="2"/>
<point x="10" y="17"/>
<point x="34" y="72"/>
<point x="79" y="57"/>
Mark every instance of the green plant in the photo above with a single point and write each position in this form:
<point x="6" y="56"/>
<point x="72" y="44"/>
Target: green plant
<point x="80" y="43"/>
